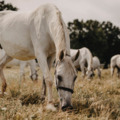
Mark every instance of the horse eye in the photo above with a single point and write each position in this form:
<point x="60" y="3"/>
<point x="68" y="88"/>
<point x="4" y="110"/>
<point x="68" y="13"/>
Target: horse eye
<point x="75" y="78"/>
<point x="59" y="78"/>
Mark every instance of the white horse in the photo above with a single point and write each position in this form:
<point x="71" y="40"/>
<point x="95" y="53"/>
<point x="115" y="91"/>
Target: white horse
<point x="41" y="34"/>
<point x="96" y="65"/>
<point x="22" y="64"/>
<point x="85" y="57"/>
<point x="115" y="63"/>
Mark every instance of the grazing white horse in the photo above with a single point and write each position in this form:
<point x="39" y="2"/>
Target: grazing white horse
<point x="85" y="57"/>
<point x="41" y="34"/>
<point x="96" y="65"/>
<point x="115" y="63"/>
<point x="22" y="64"/>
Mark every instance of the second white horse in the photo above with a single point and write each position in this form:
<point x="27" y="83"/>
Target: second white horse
<point x="85" y="57"/>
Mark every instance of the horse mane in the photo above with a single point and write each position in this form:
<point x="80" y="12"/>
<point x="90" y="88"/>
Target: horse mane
<point x="61" y="37"/>
<point x="60" y="34"/>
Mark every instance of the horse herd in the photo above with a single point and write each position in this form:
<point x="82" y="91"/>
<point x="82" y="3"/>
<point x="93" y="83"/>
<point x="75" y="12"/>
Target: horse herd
<point x="42" y="34"/>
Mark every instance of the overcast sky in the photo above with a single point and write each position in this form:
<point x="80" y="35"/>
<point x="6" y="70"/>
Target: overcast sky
<point x="101" y="10"/>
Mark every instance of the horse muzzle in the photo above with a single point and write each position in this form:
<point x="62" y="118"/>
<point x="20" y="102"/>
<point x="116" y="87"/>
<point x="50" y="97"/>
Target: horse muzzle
<point x="66" y="105"/>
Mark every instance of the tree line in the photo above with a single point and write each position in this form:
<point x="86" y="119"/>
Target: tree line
<point x="7" y="6"/>
<point x="103" y="39"/>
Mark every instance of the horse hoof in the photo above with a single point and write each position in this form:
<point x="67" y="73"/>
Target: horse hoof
<point x="50" y="107"/>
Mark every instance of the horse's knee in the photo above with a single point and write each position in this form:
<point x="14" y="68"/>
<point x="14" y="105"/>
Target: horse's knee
<point x="49" y="82"/>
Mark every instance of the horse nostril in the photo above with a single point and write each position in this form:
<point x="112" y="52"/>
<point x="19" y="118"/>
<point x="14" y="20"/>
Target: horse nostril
<point x="67" y="107"/>
<point x="64" y="108"/>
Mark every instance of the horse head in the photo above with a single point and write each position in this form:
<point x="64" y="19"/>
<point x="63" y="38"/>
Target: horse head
<point x="65" y="76"/>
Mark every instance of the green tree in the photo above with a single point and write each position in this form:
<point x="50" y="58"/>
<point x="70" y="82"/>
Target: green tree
<point x="103" y="39"/>
<point x="7" y="6"/>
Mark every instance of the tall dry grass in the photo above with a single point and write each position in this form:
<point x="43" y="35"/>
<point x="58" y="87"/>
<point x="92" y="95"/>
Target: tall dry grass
<point x="92" y="100"/>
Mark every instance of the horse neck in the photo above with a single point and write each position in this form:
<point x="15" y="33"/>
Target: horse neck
<point x="55" y="27"/>
<point x="60" y="35"/>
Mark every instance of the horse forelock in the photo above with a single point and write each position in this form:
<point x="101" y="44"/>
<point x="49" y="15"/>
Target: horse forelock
<point x="68" y="65"/>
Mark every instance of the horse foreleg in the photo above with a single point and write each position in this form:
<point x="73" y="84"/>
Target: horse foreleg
<point x="47" y="77"/>
<point x="3" y="61"/>
<point x="45" y="65"/>
<point x="50" y="61"/>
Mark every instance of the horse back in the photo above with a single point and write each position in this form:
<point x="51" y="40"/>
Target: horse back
<point x="14" y="35"/>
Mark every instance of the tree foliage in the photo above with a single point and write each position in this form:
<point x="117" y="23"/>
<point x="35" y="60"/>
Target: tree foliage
<point x="103" y="39"/>
<point x="8" y="6"/>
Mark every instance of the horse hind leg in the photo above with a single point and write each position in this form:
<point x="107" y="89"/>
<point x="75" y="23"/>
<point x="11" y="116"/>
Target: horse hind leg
<point x="22" y="72"/>
<point x="112" y="70"/>
<point x="118" y="72"/>
<point x="34" y="75"/>
<point x="3" y="61"/>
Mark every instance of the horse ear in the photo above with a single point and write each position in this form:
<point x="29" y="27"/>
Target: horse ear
<point x="61" y="56"/>
<point x="75" y="57"/>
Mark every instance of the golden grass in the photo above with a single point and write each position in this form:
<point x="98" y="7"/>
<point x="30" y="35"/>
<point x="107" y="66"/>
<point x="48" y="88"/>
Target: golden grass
<point x="92" y="100"/>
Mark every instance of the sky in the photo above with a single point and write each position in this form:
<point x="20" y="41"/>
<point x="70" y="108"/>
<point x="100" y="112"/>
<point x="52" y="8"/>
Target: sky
<point x="101" y="10"/>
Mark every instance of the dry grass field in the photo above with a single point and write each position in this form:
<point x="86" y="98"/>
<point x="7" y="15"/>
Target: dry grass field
<point x="92" y="100"/>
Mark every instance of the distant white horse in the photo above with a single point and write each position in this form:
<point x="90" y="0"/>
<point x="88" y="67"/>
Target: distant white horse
<point x="85" y="57"/>
<point x="115" y="63"/>
<point x="41" y="34"/>
<point x="96" y="65"/>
